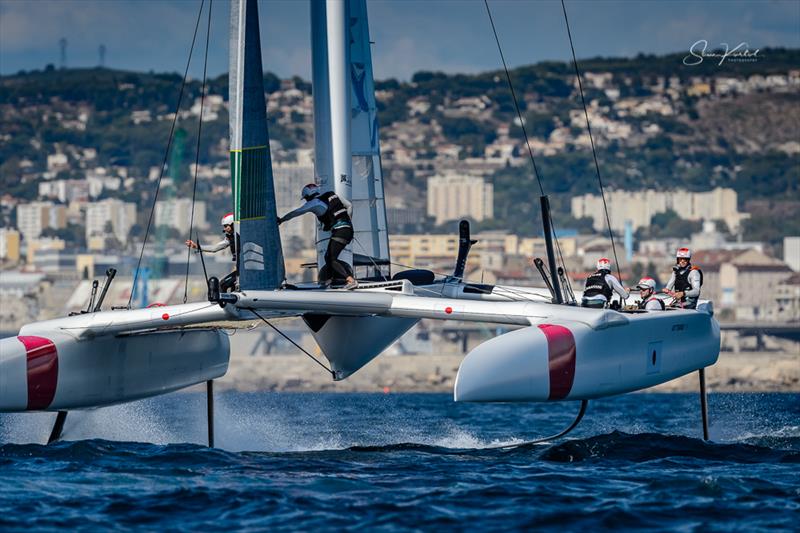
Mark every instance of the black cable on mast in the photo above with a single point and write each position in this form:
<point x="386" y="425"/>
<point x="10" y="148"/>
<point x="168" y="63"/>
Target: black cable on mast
<point x="591" y="139"/>
<point x="166" y="153"/>
<point x="197" y="151"/>
<point x="524" y="132"/>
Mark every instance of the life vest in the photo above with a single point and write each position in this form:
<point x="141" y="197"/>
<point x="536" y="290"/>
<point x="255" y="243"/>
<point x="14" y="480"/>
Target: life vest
<point x="643" y="303"/>
<point x="335" y="213"/>
<point x="682" y="283"/>
<point x="597" y="284"/>
<point x="233" y="244"/>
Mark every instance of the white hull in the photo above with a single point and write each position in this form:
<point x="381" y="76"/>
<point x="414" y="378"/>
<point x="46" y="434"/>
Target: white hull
<point x="60" y="372"/>
<point x="109" y="357"/>
<point x="567" y="360"/>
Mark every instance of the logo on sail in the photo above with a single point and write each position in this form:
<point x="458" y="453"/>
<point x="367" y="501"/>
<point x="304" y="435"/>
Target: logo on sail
<point x="253" y="256"/>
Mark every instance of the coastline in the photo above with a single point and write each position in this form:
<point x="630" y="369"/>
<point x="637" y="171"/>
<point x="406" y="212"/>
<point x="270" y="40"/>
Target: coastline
<point x="733" y="372"/>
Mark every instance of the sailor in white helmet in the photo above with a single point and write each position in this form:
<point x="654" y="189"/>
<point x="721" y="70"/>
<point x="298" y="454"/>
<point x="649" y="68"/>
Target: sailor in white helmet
<point x="601" y="285"/>
<point x="231" y="241"/>
<point x="686" y="280"/>
<point x="333" y="214"/>
<point x="647" y="291"/>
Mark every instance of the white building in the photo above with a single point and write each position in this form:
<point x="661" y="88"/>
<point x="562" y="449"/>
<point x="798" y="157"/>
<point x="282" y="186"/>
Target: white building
<point x="640" y="206"/>
<point x="64" y="190"/>
<point x="34" y="217"/>
<point x="177" y="213"/>
<point x="791" y="252"/>
<point x="289" y="179"/>
<point x="453" y="196"/>
<point x="121" y="215"/>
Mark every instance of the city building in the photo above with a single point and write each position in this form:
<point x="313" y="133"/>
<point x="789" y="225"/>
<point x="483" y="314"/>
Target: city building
<point x="788" y="298"/>
<point x="113" y="214"/>
<point x="742" y="284"/>
<point x="34" y="217"/>
<point x="9" y="245"/>
<point x="177" y="213"/>
<point x="453" y="196"/>
<point x="65" y="191"/>
<point x="36" y="248"/>
<point x="425" y="251"/>
<point x="711" y="239"/>
<point x="289" y="179"/>
<point x="640" y="206"/>
<point x="791" y="252"/>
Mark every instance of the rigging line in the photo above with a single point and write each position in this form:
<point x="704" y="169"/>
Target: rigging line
<point x="197" y="154"/>
<point x="166" y="153"/>
<point x="371" y="259"/>
<point x="522" y="123"/>
<point x="202" y="261"/>
<point x="514" y="98"/>
<point x="282" y="334"/>
<point x="591" y="139"/>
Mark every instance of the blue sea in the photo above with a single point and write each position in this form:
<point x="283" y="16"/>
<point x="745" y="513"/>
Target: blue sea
<point x="389" y="462"/>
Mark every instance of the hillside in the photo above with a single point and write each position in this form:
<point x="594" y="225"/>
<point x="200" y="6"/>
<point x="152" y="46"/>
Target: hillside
<point x="657" y="124"/>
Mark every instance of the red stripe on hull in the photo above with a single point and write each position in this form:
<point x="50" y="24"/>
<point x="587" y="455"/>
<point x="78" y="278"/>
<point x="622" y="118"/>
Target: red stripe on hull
<point x="42" y="371"/>
<point x="561" y="360"/>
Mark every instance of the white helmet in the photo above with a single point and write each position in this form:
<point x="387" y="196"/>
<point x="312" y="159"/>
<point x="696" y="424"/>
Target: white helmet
<point x="646" y="283"/>
<point x="227" y="220"/>
<point x="603" y="264"/>
<point x="683" y="253"/>
<point x="309" y="191"/>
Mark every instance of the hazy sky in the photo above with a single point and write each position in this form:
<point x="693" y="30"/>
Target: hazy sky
<point x="409" y="35"/>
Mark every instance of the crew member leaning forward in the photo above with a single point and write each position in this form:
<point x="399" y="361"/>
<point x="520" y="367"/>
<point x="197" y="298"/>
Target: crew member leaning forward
<point x="333" y="213"/>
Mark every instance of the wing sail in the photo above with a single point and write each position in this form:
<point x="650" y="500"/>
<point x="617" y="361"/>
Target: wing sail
<point x="369" y="208"/>
<point x="261" y="262"/>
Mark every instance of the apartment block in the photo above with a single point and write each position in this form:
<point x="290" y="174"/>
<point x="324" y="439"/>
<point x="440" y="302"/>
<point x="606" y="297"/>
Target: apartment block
<point x="177" y="213"/>
<point x="120" y="215"/>
<point x="455" y="196"/>
<point x="34" y="217"/>
<point x="640" y="206"/>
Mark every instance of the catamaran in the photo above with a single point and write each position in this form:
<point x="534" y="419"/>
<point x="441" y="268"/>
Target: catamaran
<point x="559" y="351"/>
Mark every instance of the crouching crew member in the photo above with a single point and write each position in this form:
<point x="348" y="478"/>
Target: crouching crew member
<point x="333" y="213"/>
<point x="686" y="280"/>
<point x="231" y="240"/>
<point x="601" y="285"/>
<point x="647" y="291"/>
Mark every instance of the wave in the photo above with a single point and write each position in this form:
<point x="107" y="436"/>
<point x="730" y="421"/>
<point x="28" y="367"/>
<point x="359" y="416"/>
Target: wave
<point x="643" y="447"/>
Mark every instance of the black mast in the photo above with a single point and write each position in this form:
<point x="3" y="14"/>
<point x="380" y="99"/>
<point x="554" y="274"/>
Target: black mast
<point x="548" y="242"/>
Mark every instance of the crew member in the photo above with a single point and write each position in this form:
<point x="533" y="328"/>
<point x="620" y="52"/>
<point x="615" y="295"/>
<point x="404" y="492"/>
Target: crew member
<point x="231" y="240"/>
<point x="686" y="280"/>
<point x="333" y="214"/>
<point x="647" y="291"/>
<point x="601" y="285"/>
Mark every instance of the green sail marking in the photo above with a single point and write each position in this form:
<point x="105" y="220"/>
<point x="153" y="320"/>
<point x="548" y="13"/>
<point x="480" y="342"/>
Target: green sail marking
<point x="248" y="170"/>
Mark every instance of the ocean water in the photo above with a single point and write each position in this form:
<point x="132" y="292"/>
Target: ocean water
<point x="406" y="461"/>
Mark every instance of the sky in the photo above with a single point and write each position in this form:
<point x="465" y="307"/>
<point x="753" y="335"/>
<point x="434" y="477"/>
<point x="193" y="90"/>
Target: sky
<point x="409" y="35"/>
